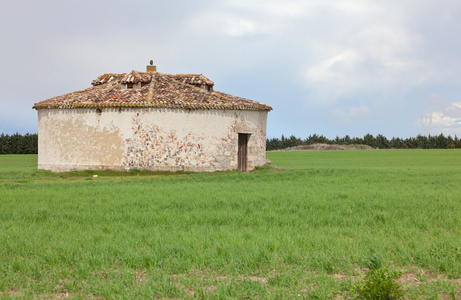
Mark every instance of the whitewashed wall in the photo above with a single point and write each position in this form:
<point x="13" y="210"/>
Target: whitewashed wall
<point x="148" y="139"/>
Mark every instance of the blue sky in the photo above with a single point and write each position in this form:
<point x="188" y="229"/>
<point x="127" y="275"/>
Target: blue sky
<point x="331" y="67"/>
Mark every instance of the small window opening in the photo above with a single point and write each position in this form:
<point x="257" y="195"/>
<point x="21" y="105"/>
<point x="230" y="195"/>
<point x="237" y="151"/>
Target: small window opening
<point x="129" y="85"/>
<point x="98" y="111"/>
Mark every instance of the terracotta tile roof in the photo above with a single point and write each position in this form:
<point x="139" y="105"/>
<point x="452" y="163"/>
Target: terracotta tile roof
<point x="166" y="90"/>
<point x="193" y="79"/>
<point x="135" y="77"/>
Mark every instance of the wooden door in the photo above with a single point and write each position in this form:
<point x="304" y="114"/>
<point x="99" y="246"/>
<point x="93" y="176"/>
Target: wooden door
<point x="243" y="151"/>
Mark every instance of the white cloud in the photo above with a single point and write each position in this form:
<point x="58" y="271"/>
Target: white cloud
<point x="223" y="24"/>
<point x="275" y="9"/>
<point x="372" y="46"/>
<point x="337" y="75"/>
<point x="359" y="59"/>
<point x="339" y="64"/>
<point x="441" y="116"/>
<point x="455" y="105"/>
<point x="440" y="119"/>
<point x="236" y="27"/>
<point x="346" y="116"/>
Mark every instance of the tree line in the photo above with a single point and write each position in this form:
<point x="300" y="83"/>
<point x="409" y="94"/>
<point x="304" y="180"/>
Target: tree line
<point x="28" y="143"/>
<point x="380" y="141"/>
<point x="18" y="143"/>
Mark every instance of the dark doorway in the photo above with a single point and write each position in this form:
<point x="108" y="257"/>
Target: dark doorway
<point x="243" y="151"/>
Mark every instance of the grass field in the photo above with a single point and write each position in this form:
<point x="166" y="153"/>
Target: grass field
<point x="310" y="228"/>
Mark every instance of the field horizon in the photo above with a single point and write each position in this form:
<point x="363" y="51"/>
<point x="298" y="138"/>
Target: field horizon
<point x="310" y="224"/>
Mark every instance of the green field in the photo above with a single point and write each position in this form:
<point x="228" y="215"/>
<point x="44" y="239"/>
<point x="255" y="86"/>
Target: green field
<point x="310" y="225"/>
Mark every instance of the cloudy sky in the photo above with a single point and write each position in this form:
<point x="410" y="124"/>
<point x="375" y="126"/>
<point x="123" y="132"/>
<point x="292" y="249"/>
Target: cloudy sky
<point x="331" y="67"/>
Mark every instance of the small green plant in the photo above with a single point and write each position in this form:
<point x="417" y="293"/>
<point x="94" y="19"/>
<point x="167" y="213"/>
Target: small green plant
<point x="379" y="284"/>
<point x="374" y="262"/>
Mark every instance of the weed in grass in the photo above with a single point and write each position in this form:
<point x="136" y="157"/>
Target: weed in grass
<point x="379" y="284"/>
<point x="374" y="262"/>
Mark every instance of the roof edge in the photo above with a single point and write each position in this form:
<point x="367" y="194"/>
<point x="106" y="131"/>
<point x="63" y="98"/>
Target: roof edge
<point x="153" y="105"/>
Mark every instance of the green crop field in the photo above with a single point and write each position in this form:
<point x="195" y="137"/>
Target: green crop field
<point x="310" y="225"/>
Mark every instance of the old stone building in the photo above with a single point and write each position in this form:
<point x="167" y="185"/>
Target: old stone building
<point x="151" y="121"/>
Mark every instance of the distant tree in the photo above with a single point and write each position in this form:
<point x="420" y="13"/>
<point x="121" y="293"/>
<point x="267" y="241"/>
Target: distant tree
<point x="431" y="142"/>
<point x="450" y="143"/>
<point x="357" y="141"/>
<point x="457" y="142"/>
<point x="338" y="141"/>
<point x="382" y="142"/>
<point x="18" y="144"/>
<point x="369" y="140"/>
<point x="3" y="144"/>
<point x="293" y="141"/>
<point x="441" y="142"/>
<point x="396" y="143"/>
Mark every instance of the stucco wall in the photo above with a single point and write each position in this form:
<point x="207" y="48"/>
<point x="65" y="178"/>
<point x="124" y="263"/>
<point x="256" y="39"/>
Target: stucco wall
<point x="148" y="138"/>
